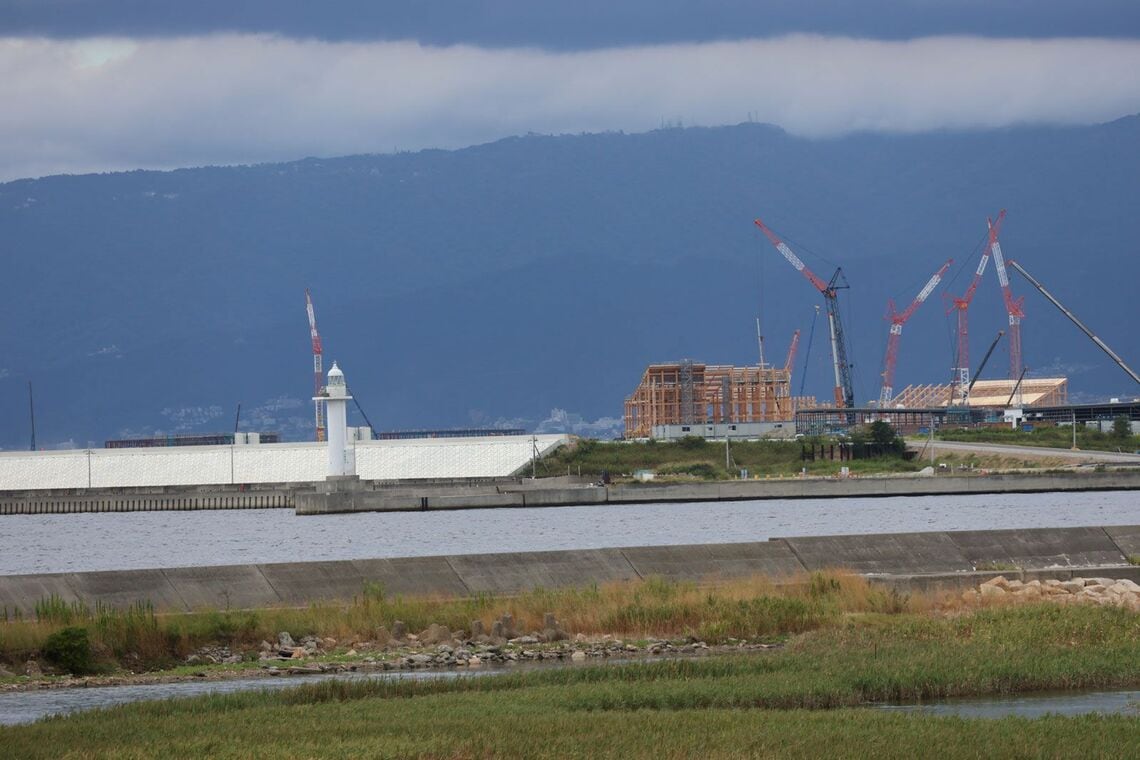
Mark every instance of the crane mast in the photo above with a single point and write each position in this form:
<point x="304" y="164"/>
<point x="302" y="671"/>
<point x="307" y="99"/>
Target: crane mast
<point x="960" y="376"/>
<point x="318" y="371"/>
<point x="1012" y="305"/>
<point x="895" y="334"/>
<point x="844" y="388"/>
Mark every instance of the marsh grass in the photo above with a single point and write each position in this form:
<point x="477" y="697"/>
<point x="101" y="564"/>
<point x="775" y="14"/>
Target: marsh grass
<point x="794" y="702"/>
<point x="749" y="608"/>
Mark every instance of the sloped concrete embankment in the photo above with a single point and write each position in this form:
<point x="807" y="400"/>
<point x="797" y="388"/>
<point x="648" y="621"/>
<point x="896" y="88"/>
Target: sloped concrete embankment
<point x="919" y="561"/>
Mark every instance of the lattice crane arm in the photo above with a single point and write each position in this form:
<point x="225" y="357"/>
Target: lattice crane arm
<point x="318" y="369"/>
<point x="923" y="294"/>
<point x="792" y="258"/>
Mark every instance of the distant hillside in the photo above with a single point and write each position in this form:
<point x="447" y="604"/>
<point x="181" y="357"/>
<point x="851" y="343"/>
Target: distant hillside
<point x="502" y="281"/>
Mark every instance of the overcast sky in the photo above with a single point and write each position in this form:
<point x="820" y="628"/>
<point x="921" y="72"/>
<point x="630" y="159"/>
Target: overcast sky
<point x="121" y="84"/>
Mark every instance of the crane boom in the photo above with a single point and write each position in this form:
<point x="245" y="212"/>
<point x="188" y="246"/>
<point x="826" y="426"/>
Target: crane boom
<point x="792" y="258"/>
<point x="960" y="375"/>
<point x="318" y="370"/>
<point x="1012" y="305"/>
<point x="886" y="393"/>
<point x="792" y="352"/>
<point x="844" y="388"/>
<point x="1073" y="318"/>
<point x="986" y="358"/>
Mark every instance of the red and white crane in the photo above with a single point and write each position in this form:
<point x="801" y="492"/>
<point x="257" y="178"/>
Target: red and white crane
<point x="844" y="388"/>
<point x="1012" y="305"/>
<point x="961" y="372"/>
<point x="897" y="322"/>
<point x="318" y="371"/>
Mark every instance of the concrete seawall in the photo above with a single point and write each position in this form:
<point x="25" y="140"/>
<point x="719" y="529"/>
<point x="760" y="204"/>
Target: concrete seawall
<point x="381" y="500"/>
<point x="378" y="496"/>
<point x="905" y="560"/>
<point x="52" y="504"/>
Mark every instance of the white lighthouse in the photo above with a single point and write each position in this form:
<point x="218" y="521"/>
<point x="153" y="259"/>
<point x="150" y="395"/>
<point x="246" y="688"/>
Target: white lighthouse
<point x="342" y="461"/>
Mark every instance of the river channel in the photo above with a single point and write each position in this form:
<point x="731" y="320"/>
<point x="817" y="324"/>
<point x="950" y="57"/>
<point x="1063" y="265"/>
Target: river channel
<point x="133" y="540"/>
<point x="28" y="706"/>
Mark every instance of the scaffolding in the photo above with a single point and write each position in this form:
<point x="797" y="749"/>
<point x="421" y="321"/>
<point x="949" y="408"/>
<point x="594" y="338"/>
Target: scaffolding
<point x="690" y="393"/>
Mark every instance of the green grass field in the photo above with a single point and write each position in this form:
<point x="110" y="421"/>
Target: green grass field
<point x="1046" y="436"/>
<point x="800" y="702"/>
<point x="697" y="459"/>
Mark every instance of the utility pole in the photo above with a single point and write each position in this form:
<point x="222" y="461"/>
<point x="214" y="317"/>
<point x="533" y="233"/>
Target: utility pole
<point x="1074" y="413"/>
<point x="32" y="411"/>
<point x="932" y="438"/>
<point x="533" y="457"/>
<point x="727" y="456"/>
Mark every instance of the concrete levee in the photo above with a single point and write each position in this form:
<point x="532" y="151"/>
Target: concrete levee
<point x="412" y="576"/>
<point x="516" y="572"/>
<point x="1126" y="538"/>
<point x="1037" y="549"/>
<point x="914" y="561"/>
<point x="19" y="594"/>
<point x="122" y="588"/>
<point x="299" y="583"/>
<point x="707" y="562"/>
<point x="892" y="553"/>
<point x="222" y="587"/>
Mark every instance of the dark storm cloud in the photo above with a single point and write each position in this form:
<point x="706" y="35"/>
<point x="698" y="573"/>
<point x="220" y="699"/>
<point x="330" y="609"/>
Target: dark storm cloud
<point x="565" y="25"/>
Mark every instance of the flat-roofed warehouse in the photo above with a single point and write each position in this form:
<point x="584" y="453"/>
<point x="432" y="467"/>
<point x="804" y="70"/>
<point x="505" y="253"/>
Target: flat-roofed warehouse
<point x="391" y="460"/>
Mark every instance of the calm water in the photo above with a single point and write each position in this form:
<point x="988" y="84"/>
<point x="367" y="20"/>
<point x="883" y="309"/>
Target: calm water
<point x="25" y="707"/>
<point x="1030" y="705"/>
<point x="64" y="543"/>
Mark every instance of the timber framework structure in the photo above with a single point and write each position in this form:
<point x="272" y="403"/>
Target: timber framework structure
<point x="690" y="393"/>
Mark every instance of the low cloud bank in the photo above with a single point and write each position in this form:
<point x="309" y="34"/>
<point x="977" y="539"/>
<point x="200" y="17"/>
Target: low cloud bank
<point x="109" y="104"/>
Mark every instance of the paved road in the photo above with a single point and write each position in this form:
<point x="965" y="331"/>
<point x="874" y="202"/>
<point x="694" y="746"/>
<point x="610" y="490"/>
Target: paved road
<point x="1108" y="457"/>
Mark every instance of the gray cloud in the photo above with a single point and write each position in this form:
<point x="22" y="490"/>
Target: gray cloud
<point x="108" y="104"/>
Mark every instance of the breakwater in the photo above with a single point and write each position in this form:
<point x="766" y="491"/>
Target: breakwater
<point x="444" y="494"/>
<point x="958" y="559"/>
<point x="346" y="498"/>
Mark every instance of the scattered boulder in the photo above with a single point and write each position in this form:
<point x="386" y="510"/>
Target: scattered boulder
<point x="436" y="634"/>
<point x="399" y="630"/>
<point x="32" y="669"/>
<point x="1104" y="591"/>
<point x="477" y="629"/>
<point x="285" y="641"/>
<point x="551" y="631"/>
<point x="508" y="626"/>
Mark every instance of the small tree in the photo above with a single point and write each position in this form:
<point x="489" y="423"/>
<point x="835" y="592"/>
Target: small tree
<point x="1121" y="427"/>
<point x="883" y="434"/>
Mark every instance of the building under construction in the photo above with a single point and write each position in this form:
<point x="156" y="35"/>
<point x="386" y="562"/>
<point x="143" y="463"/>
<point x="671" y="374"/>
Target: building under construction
<point x="688" y="394"/>
<point x="995" y="394"/>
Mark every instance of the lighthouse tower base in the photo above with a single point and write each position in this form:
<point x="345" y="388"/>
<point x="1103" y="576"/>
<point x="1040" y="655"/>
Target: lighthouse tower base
<point x="337" y="493"/>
